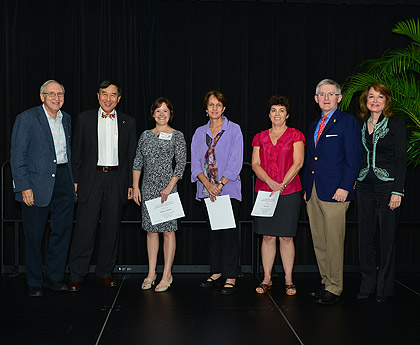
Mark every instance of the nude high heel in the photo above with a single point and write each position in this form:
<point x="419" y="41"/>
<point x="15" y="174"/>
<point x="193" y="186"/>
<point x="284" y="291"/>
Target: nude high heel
<point x="164" y="285"/>
<point x="148" y="283"/>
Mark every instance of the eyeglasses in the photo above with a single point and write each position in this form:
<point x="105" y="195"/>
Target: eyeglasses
<point x="327" y="94"/>
<point x="53" y="94"/>
<point x="217" y="106"/>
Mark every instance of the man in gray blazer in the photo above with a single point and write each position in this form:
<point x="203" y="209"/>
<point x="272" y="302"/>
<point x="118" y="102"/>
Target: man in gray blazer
<point x="43" y="183"/>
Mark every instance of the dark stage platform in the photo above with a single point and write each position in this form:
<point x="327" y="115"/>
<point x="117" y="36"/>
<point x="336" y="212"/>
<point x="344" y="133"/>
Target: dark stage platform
<point x="188" y="314"/>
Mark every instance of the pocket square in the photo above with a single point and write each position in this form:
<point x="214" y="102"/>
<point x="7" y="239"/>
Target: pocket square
<point x="331" y="135"/>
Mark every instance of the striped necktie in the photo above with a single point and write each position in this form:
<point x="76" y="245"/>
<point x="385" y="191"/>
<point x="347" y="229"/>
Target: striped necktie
<point x="321" y="128"/>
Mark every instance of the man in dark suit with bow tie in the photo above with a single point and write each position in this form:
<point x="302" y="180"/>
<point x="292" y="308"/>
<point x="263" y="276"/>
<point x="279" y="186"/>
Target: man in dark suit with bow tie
<point x="103" y="153"/>
<point x="332" y="164"/>
<point x="43" y="182"/>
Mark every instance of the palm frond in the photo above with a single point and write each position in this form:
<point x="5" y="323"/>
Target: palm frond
<point x="413" y="146"/>
<point x="410" y="28"/>
<point x="399" y="70"/>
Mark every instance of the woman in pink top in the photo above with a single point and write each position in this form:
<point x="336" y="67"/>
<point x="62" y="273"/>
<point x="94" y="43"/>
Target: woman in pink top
<point x="277" y="157"/>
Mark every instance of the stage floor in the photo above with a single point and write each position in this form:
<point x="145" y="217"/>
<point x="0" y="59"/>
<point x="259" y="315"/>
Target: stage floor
<point x="187" y="314"/>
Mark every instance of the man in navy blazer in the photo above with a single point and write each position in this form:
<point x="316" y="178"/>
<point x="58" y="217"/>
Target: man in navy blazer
<point x="103" y="154"/>
<point x="43" y="183"/>
<point x="332" y="164"/>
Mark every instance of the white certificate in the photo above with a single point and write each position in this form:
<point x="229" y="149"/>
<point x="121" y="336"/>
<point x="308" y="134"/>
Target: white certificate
<point x="264" y="204"/>
<point x="220" y="213"/>
<point x="169" y="210"/>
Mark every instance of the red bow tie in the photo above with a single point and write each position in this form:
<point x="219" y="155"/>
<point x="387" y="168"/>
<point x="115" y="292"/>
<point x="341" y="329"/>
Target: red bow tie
<point x="111" y="116"/>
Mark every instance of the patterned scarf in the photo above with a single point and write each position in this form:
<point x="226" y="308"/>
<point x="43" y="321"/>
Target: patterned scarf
<point x="210" y="163"/>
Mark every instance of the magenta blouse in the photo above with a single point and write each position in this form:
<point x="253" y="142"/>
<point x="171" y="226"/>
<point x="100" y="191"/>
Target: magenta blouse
<point x="277" y="160"/>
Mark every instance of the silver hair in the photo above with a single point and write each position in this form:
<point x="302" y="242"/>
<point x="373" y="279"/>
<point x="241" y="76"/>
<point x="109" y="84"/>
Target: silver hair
<point x="328" y="82"/>
<point x="43" y="86"/>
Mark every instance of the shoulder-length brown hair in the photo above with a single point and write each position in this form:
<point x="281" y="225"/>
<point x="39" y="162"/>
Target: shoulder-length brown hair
<point x="382" y="89"/>
<point x="158" y="103"/>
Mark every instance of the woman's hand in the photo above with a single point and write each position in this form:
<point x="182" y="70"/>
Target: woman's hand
<point x="214" y="190"/>
<point x="275" y="186"/>
<point x="137" y="195"/>
<point x="165" y="193"/>
<point x="394" y="202"/>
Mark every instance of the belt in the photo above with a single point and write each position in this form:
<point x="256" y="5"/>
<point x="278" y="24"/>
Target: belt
<point x="61" y="165"/>
<point x="106" y="169"/>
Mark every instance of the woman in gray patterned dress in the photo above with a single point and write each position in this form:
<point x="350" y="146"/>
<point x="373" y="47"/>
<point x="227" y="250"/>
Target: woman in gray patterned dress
<point x="156" y="150"/>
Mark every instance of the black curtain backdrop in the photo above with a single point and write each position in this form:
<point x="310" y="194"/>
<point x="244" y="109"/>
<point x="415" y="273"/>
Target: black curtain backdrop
<point x="249" y="50"/>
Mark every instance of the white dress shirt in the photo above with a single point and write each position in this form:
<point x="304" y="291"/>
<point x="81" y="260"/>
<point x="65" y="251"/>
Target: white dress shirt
<point x="107" y="140"/>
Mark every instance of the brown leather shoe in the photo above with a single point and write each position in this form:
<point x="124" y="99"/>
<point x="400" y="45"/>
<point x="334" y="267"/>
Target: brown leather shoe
<point x="74" y="286"/>
<point x="108" y="282"/>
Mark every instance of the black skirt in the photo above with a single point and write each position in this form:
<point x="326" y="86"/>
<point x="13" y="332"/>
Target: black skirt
<point x="284" y="222"/>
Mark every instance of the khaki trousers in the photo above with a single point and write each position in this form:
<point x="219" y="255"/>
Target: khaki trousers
<point x="328" y="227"/>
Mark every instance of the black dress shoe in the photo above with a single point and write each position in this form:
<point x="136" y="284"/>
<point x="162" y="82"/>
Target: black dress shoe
<point x="35" y="291"/>
<point x="327" y="298"/>
<point x="74" y="286"/>
<point x="107" y="282"/>
<point x="212" y="282"/>
<point x="54" y="285"/>
<point x="230" y="289"/>
<point x="381" y="299"/>
<point x="318" y="293"/>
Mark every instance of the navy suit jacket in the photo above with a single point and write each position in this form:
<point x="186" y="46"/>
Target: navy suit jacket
<point x="32" y="156"/>
<point x="335" y="161"/>
<point x="85" y="152"/>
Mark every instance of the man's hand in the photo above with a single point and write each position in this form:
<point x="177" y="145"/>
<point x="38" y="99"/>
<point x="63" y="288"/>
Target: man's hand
<point x="28" y="197"/>
<point x="340" y="195"/>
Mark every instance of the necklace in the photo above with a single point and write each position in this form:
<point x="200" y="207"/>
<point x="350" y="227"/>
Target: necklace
<point x="371" y="121"/>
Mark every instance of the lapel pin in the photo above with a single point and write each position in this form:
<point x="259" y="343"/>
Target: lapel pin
<point x="123" y="121"/>
<point x="335" y="120"/>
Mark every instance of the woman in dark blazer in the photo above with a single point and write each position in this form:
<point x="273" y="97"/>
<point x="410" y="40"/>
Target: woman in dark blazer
<point x="380" y="189"/>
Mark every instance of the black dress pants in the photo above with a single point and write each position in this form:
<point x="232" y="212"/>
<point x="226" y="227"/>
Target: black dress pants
<point x="104" y="203"/>
<point x="224" y="247"/>
<point x="373" y="210"/>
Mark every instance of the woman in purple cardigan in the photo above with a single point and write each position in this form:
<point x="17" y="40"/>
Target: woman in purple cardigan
<point x="216" y="162"/>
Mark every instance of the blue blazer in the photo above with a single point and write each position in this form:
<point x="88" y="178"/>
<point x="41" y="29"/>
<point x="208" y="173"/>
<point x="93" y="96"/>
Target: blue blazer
<point x="32" y="155"/>
<point x="335" y="161"/>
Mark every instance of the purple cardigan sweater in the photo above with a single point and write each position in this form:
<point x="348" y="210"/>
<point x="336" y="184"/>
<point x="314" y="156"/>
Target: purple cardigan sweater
<point x="229" y="157"/>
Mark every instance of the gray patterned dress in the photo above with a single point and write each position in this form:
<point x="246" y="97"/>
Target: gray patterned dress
<point x="154" y="158"/>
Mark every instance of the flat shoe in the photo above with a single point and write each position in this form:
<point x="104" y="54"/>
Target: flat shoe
<point x="163" y="285"/>
<point x="228" y="290"/>
<point x="264" y="287"/>
<point x="148" y="283"/>
<point x="291" y="290"/>
<point x="210" y="282"/>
